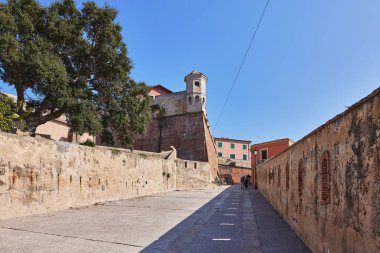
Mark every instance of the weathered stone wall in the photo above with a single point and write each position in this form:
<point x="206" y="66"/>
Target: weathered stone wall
<point x="193" y="175"/>
<point x="188" y="133"/>
<point x="346" y="217"/>
<point x="39" y="175"/>
<point x="209" y="145"/>
<point x="174" y="103"/>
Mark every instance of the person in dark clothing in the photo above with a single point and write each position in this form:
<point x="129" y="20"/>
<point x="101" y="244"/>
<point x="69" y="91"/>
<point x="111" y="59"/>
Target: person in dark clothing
<point x="246" y="182"/>
<point x="249" y="179"/>
<point x="242" y="181"/>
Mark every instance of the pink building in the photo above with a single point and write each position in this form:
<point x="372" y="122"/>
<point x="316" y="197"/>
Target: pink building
<point x="158" y="90"/>
<point x="58" y="129"/>
<point x="232" y="148"/>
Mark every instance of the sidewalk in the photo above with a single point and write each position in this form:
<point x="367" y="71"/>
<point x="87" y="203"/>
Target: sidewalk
<point x="275" y="235"/>
<point x="226" y="219"/>
<point x="240" y="221"/>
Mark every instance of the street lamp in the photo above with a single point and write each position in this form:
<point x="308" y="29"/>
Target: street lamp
<point x="255" y="153"/>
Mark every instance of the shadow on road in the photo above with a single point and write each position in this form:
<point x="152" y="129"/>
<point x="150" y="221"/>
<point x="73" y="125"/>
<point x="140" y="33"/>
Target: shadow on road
<point x="183" y="233"/>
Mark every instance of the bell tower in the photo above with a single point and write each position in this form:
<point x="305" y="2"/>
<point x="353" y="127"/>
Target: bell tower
<point x="196" y="91"/>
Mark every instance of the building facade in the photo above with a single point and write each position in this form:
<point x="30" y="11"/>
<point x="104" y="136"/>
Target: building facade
<point x="233" y="159"/>
<point x="266" y="150"/>
<point x="232" y="148"/>
<point x="179" y="119"/>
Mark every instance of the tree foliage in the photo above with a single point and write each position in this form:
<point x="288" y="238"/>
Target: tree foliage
<point x="74" y="62"/>
<point x="7" y="113"/>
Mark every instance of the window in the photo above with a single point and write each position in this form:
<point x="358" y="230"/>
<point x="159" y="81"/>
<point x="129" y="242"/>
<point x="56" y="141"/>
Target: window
<point x="244" y="157"/>
<point x="325" y="177"/>
<point x="232" y="145"/>
<point x="197" y="99"/>
<point x="220" y="154"/>
<point x="220" y="144"/>
<point x="300" y="179"/>
<point x="287" y="176"/>
<point x="244" y="146"/>
<point x="232" y="156"/>
<point x="279" y="177"/>
<point x="196" y="83"/>
<point x="189" y="100"/>
<point x="263" y="154"/>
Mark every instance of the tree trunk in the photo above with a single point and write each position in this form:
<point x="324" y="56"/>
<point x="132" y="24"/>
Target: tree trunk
<point x="159" y="141"/>
<point x="33" y="120"/>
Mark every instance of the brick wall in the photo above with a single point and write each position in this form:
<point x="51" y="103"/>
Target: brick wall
<point x="187" y="133"/>
<point x="327" y="185"/>
<point x="233" y="173"/>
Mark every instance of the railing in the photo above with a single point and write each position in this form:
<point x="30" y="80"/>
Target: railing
<point x="258" y="162"/>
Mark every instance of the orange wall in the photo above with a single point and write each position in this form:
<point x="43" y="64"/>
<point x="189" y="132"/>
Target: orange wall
<point x="274" y="148"/>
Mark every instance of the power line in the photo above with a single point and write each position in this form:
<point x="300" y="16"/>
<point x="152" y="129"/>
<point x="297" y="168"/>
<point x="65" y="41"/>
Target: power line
<point x="242" y="63"/>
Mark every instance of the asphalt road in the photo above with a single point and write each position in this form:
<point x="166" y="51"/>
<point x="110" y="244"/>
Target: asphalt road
<point x="226" y="219"/>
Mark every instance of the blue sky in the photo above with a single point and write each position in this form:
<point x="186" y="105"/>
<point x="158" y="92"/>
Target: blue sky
<point x="310" y="59"/>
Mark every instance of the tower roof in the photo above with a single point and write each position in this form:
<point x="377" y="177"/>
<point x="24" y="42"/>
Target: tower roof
<point x="196" y="72"/>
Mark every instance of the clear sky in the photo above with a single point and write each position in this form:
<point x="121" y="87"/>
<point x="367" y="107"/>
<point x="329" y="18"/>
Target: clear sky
<point x="310" y="59"/>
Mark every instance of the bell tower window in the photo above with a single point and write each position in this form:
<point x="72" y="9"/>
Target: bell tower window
<point x="196" y="83"/>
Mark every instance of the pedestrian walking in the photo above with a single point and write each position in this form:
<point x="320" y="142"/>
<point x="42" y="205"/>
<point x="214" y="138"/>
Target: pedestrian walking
<point x="242" y="181"/>
<point x="249" y="179"/>
<point x="246" y="182"/>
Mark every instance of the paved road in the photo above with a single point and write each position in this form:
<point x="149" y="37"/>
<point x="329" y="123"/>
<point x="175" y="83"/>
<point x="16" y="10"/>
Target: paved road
<point x="223" y="220"/>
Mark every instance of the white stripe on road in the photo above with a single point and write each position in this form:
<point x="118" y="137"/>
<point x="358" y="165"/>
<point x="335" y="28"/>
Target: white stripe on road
<point x="226" y="224"/>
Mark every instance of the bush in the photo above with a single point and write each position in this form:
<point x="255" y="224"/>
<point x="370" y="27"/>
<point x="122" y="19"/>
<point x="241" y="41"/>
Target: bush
<point x="88" y="143"/>
<point x="115" y="152"/>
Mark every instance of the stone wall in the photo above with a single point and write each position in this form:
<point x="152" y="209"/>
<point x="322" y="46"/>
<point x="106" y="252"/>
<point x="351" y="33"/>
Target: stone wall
<point x="193" y="175"/>
<point x="188" y="133"/>
<point x="39" y="175"/>
<point x="174" y="103"/>
<point x="327" y="185"/>
<point x="209" y="145"/>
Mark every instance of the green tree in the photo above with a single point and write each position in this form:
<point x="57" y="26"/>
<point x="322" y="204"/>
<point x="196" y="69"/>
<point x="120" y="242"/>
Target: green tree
<point x="74" y="62"/>
<point x="8" y="114"/>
